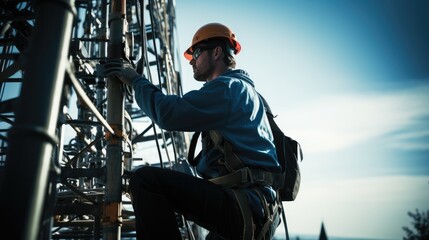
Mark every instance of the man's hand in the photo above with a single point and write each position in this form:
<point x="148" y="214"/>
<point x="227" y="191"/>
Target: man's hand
<point x="120" y="69"/>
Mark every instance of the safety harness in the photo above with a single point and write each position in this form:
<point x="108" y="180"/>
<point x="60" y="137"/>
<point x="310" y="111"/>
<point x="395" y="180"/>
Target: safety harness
<point x="240" y="177"/>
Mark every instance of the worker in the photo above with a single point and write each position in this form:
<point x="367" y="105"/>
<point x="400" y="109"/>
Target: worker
<point x="230" y="114"/>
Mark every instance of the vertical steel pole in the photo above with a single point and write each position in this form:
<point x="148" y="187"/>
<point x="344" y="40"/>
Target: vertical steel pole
<point x="112" y="214"/>
<point x="32" y="137"/>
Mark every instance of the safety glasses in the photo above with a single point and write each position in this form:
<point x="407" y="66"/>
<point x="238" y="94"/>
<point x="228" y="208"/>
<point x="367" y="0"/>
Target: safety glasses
<point x="199" y="50"/>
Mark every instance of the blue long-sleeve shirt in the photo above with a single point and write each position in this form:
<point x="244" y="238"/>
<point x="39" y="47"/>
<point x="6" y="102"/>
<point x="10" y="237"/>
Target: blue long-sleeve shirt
<point x="229" y="104"/>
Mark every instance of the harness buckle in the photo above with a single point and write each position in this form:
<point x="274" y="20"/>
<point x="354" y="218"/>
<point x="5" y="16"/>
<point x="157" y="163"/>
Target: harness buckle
<point x="246" y="176"/>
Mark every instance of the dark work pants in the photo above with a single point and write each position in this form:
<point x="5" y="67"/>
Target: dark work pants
<point x="157" y="193"/>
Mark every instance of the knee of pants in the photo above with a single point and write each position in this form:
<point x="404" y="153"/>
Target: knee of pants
<point x="135" y="180"/>
<point x="140" y="178"/>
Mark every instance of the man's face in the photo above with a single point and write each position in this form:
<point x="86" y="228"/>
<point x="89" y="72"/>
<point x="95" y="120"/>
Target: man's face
<point x="202" y="62"/>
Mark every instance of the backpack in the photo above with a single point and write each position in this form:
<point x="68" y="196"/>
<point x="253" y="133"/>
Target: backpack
<point x="288" y="154"/>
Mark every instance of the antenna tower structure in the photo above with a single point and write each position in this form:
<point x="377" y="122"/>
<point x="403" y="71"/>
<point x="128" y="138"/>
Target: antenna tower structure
<point x="69" y="137"/>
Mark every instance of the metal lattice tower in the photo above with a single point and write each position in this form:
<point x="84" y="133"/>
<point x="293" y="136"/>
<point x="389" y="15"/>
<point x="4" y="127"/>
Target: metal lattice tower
<point x="69" y="138"/>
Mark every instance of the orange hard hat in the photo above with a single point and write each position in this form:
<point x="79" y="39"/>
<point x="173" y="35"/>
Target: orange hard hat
<point x="213" y="30"/>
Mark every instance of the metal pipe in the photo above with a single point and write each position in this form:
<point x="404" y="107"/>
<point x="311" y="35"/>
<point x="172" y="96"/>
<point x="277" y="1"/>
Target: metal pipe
<point x="85" y="99"/>
<point x="32" y="138"/>
<point x="112" y="212"/>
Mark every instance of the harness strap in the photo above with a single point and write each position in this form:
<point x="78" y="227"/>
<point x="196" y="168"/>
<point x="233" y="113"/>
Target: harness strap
<point x="264" y="228"/>
<point x="245" y="177"/>
<point x="248" y="226"/>
<point x="270" y="211"/>
<point x="232" y="161"/>
<point x="237" y="178"/>
<point x="193" y="161"/>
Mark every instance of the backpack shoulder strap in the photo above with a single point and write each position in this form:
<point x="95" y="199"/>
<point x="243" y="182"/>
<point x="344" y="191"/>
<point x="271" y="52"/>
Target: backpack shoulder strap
<point x="267" y="107"/>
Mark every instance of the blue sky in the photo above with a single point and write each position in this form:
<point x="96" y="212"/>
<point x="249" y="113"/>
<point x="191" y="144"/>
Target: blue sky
<point x="350" y="81"/>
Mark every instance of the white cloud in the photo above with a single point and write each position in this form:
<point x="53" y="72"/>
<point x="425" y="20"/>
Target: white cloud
<point x="370" y="207"/>
<point x="335" y="122"/>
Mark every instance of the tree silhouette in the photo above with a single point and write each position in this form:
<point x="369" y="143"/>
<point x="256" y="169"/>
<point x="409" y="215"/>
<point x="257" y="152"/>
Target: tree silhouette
<point x="421" y="226"/>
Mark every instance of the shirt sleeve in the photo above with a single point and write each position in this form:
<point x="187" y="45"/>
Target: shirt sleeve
<point x="198" y="110"/>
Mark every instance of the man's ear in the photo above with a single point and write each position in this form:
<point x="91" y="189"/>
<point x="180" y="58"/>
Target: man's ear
<point x="218" y="52"/>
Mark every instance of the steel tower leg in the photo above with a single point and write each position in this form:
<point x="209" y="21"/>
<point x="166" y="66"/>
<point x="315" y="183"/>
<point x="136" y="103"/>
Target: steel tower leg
<point x="32" y="138"/>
